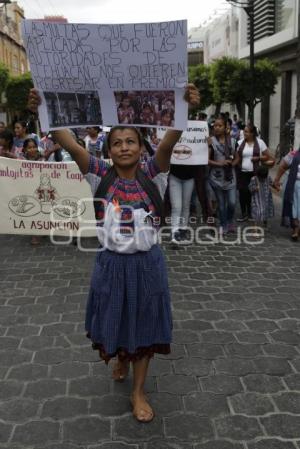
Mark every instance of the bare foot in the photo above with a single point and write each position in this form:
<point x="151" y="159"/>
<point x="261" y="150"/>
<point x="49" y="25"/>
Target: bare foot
<point x="120" y="371"/>
<point x="141" y="408"/>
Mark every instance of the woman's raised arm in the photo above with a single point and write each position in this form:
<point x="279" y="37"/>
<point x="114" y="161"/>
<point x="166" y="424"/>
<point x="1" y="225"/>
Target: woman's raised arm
<point x="62" y="136"/>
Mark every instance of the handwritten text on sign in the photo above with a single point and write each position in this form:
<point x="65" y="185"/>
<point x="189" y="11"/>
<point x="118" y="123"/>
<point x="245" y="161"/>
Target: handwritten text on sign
<point x="192" y="148"/>
<point x="103" y="59"/>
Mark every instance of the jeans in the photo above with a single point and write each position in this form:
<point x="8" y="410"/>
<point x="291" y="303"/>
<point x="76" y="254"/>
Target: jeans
<point x="180" y="197"/>
<point x="226" y="204"/>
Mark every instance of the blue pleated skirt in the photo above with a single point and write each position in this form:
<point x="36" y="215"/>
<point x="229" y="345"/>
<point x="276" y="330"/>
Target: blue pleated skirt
<point x="128" y="310"/>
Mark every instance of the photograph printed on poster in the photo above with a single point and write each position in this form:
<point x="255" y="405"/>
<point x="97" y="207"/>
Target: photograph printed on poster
<point x="73" y="109"/>
<point x="147" y="108"/>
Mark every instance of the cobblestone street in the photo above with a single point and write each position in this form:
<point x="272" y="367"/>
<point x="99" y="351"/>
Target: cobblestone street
<point x="232" y="380"/>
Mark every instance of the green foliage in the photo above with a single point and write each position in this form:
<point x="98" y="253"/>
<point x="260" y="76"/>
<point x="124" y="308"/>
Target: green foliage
<point x="228" y="80"/>
<point x="17" y="91"/>
<point x="222" y="71"/>
<point x="200" y="75"/>
<point x="238" y="86"/>
<point x="4" y="76"/>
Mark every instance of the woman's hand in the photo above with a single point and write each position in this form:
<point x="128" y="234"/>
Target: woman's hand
<point x="255" y="159"/>
<point x="192" y="95"/>
<point x="276" y="185"/>
<point x="34" y="100"/>
<point x="209" y="140"/>
<point x="225" y="163"/>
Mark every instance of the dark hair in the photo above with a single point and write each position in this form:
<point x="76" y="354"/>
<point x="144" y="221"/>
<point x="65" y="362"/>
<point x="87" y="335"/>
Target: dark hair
<point x="96" y="128"/>
<point x="229" y="121"/>
<point x="252" y="129"/>
<point x="222" y="119"/>
<point x="262" y="172"/>
<point x="167" y="111"/>
<point x="22" y="123"/>
<point x="121" y="128"/>
<point x="8" y="137"/>
<point x="27" y="142"/>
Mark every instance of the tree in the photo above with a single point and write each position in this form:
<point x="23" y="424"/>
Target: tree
<point x="17" y="92"/>
<point x="200" y="75"/>
<point x="4" y="76"/>
<point x="222" y="71"/>
<point x="238" y="85"/>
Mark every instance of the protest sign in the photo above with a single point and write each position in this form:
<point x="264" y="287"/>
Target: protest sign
<point x="43" y="197"/>
<point x="128" y="74"/>
<point x="192" y="147"/>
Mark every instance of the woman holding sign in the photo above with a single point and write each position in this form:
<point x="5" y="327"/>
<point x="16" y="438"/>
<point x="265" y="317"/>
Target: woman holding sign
<point x="128" y="311"/>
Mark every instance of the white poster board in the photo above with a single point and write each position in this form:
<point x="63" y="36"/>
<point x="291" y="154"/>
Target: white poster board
<point x="41" y="198"/>
<point x="122" y="74"/>
<point x="192" y="147"/>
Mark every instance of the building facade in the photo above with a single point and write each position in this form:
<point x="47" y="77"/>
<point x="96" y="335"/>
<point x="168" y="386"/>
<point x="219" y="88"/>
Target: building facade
<point x="12" y="51"/>
<point x="276" y="37"/>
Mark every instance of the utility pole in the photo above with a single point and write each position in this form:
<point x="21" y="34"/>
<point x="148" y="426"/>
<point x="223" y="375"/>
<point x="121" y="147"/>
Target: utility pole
<point x="250" y="11"/>
<point x="297" y="121"/>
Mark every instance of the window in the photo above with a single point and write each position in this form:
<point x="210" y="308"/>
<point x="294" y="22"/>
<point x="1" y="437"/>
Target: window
<point x="284" y="14"/>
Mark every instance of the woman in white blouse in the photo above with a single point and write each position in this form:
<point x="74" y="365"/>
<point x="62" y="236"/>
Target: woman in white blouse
<point x="251" y="151"/>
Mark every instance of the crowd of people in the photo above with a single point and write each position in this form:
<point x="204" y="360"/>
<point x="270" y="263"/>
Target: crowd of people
<point x="237" y="172"/>
<point x="146" y="107"/>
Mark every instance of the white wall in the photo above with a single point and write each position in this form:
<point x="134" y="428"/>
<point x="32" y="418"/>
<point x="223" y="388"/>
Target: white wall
<point x="274" y="126"/>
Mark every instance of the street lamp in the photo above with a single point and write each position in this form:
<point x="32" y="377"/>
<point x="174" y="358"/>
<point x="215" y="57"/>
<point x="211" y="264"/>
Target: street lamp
<point x="248" y="7"/>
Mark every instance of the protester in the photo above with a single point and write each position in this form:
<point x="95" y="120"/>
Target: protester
<point x="31" y="152"/>
<point x="6" y="144"/>
<point x="262" y="206"/>
<point x="21" y="134"/>
<point x="222" y="177"/>
<point x="251" y="152"/>
<point x="291" y="197"/>
<point x="181" y="186"/>
<point x="128" y="311"/>
<point x="93" y="141"/>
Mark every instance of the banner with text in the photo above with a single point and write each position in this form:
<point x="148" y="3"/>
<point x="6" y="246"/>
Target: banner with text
<point x="41" y="197"/>
<point x="192" y="147"/>
<point x="127" y="74"/>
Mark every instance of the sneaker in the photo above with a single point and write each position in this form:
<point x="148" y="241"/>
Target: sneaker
<point x="184" y="236"/>
<point x="176" y="240"/>
<point x="242" y="218"/>
<point x="222" y="231"/>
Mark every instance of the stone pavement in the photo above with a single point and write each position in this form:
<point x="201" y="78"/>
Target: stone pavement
<point x="231" y="382"/>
